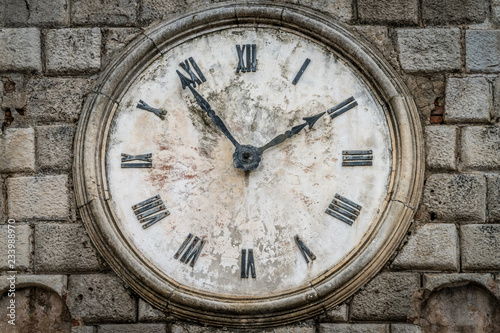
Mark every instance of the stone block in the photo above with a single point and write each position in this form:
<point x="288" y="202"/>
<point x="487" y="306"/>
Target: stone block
<point x="438" y="12"/>
<point x="456" y="197"/>
<point x="82" y="329"/>
<point x="301" y="327"/>
<point x="495" y="10"/>
<point x="115" y="39"/>
<point x="496" y="98"/>
<point x="3" y="218"/>
<point x="17" y="150"/>
<point x="54" y="146"/>
<point x="21" y="50"/>
<point x="100" y="298"/>
<point x="391" y="11"/>
<point x="56" y="99"/>
<point x="379" y="36"/>
<point x="428" y="92"/>
<point x="441" y="147"/>
<point x="133" y="328"/>
<point x="418" y="51"/>
<point x="38" y="197"/>
<point x="148" y="313"/>
<point x="73" y="51"/>
<point x="493" y="197"/>
<point x="107" y="12"/>
<point x="405" y="328"/>
<point x="21" y="240"/>
<point x="438" y="281"/>
<point x="37" y="12"/>
<point x="64" y="248"/>
<point x="482" y="49"/>
<point x="480" y="247"/>
<point x="354" y="328"/>
<point x="57" y="283"/>
<point x="385" y="297"/>
<point x="431" y="247"/>
<point x="481" y="147"/>
<point x="468" y="100"/>
<point x="336" y="314"/>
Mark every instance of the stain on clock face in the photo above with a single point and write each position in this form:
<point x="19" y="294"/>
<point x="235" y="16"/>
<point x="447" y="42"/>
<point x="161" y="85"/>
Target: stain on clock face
<point x="270" y="154"/>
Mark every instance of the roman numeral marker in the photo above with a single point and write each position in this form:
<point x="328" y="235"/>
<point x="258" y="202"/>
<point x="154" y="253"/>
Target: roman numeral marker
<point x="357" y="157"/>
<point x="160" y="113"/>
<point x="144" y="211"/>
<point x="193" y="251"/>
<point x="304" y="249"/>
<point x="247" y="266"/>
<point x="301" y="71"/>
<point x="345" y="106"/>
<point x="251" y="58"/>
<point x="343" y="209"/>
<point x="193" y="78"/>
<point x="126" y="158"/>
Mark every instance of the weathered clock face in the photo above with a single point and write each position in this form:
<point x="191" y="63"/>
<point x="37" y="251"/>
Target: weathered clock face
<point x="183" y="206"/>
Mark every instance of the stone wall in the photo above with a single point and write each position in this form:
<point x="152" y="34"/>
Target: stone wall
<point x="448" y="52"/>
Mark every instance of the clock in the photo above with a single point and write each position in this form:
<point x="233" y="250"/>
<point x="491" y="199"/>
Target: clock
<point x="248" y="165"/>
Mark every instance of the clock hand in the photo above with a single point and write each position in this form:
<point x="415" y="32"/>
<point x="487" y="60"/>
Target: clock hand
<point x="295" y="130"/>
<point x="215" y="118"/>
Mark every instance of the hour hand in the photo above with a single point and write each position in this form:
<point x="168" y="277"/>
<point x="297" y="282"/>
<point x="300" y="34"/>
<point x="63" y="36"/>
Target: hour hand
<point x="294" y="130"/>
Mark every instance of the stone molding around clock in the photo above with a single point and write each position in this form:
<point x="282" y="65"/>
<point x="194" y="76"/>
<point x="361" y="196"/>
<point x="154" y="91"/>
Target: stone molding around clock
<point x="407" y="179"/>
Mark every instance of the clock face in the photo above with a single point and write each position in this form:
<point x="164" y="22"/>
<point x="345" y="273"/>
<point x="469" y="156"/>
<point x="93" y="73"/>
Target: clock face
<point x="305" y="189"/>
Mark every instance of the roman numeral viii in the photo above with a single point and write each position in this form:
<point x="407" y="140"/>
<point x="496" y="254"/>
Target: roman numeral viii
<point x="246" y="52"/>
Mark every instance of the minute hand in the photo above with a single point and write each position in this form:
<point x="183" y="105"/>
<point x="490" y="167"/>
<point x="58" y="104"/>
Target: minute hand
<point x="295" y="130"/>
<point x="211" y="113"/>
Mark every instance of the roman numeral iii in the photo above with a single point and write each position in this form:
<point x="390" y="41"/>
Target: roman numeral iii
<point x="144" y="211"/>
<point x="345" y="106"/>
<point x="247" y="264"/>
<point x="357" y="157"/>
<point x="246" y="52"/>
<point x="194" y="79"/>
<point x="343" y="209"/>
<point x="193" y="251"/>
<point x="126" y="159"/>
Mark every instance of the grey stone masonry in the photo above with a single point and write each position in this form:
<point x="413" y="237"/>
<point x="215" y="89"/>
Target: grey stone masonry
<point x="64" y="248"/>
<point x="441" y="147"/>
<point x="468" y="99"/>
<point x="391" y="11"/>
<point x="495" y="10"/>
<point x="17" y="150"/>
<point x="20" y="238"/>
<point x="456" y="197"/>
<point x="496" y="98"/>
<point x="56" y="99"/>
<point x="54" y="146"/>
<point x="20" y="50"/>
<point x="354" y="328"/>
<point x="100" y="298"/>
<point x="148" y="313"/>
<point x="107" y="12"/>
<point x="38" y="197"/>
<point x="82" y="329"/>
<point x="405" y="328"/>
<point x="481" y="147"/>
<point x="419" y="52"/>
<point x="115" y="39"/>
<point x="133" y="328"/>
<point x="2" y="202"/>
<point x="338" y="313"/>
<point x="454" y="12"/>
<point x="37" y="12"/>
<point x="493" y="196"/>
<point x="482" y="51"/>
<point x="438" y="281"/>
<point x="480" y="247"/>
<point x="73" y="51"/>
<point x="431" y="247"/>
<point x="386" y="297"/>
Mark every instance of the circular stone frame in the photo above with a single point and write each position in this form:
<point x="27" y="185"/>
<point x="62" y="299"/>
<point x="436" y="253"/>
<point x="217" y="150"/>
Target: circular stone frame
<point x="322" y="293"/>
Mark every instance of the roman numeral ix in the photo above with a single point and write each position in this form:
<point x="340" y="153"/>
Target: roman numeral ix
<point x="126" y="159"/>
<point x="144" y="211"/>
<point x="304" y="249"/>
<point x="250" y="50"/>
<point x="343" y="209"/>
<point x="357" y="157"/>
<point x="193" y="78"/>
<point x="345" y="106"/>
<point x="193" y="250"/>
<point x="160" y="113"/>
<point x="247" y="266"/>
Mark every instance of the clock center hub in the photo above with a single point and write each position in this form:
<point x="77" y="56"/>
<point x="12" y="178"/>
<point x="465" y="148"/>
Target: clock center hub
<point x="247" y="157"/>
